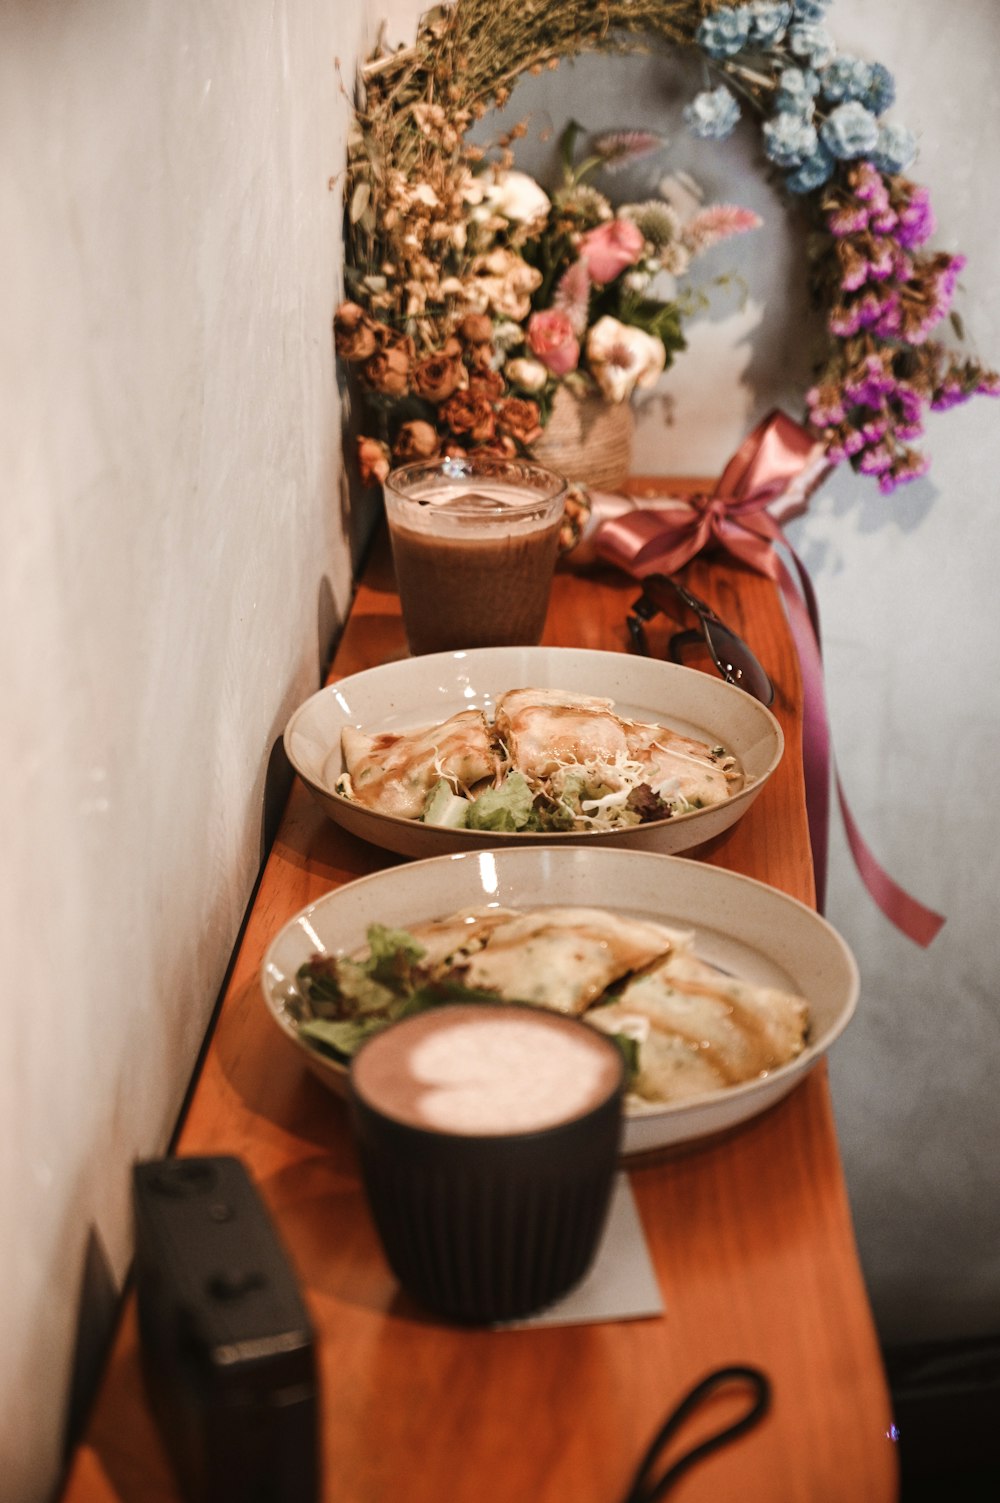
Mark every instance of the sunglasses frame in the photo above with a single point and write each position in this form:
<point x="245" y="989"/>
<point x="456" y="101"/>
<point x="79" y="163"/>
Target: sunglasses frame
<point x="711" y="630"/>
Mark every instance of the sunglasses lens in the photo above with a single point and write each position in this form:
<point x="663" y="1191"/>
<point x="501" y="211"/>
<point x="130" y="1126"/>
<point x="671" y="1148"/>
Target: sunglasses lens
<point x="736" y="662"/>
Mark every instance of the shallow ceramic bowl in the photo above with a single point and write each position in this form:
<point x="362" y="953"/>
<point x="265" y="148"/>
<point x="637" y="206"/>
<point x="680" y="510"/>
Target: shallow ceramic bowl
<point x="741" y="925"/>
<point x="419" y="691"/>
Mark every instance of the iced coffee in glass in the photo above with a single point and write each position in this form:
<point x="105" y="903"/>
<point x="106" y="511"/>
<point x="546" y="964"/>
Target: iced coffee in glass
<point x="474" y="543"/>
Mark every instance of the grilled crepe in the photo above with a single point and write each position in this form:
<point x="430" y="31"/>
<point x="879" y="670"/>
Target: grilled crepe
<point x="392" y="773"/>
<point x="565" y="958"/>
<point x="548" y="729"/>
<point x="678" y="764"/>
<point x="543" y="729"/>
<point x="702" y="1030"/>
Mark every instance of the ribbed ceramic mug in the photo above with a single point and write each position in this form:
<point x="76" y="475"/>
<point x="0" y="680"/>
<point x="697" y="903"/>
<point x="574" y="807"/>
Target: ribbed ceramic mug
<point x="488" y="1137"/>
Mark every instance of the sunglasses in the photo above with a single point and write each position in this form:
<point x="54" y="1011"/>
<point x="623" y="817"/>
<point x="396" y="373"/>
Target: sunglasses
<point x="730" y="654"/>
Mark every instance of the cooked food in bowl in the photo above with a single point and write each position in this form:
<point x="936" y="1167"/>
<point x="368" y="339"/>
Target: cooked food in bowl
<point x="686" y="1028"/>
<point x="550" y="760"/>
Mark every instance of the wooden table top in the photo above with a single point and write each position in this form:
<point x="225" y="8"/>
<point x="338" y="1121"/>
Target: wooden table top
<point x="751" y="1236"/>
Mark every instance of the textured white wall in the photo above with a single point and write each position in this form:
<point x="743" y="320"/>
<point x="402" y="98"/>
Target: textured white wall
<point x="907" y="591"/>
<point x="173" y="560"/>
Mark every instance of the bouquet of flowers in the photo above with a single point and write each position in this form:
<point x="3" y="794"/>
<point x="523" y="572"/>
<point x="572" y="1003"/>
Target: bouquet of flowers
<point x="546" y="290"/>
<point x="473" y="295"/>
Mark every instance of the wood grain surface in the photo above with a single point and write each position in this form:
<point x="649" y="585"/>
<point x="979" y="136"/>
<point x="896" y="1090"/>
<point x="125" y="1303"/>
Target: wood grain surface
<point x="751" y="1235"/>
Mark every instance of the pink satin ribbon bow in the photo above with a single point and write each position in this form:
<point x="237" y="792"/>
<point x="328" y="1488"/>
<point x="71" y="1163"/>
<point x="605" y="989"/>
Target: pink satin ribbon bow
<point x="767" y="482"/>
<point x="662" y="537"/>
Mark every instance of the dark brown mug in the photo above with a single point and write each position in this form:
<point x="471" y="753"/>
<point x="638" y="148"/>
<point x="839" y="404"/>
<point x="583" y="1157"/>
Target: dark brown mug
<point x="488" y="1137"/>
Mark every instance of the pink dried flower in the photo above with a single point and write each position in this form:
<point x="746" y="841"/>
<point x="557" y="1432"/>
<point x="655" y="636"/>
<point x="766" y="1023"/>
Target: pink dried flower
<point x="717" y="223"/>
<point x="572" y="296"/>
<point x="617" y="148"/>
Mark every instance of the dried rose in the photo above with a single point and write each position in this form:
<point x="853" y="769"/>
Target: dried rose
<point x="465" y="413"/>
<point x="388" y="372"/>
<point x="416" y="440"/>
<point x="551" y="338"/>
<point x="519" y="419"/>
<point x="436" y="377"/>
<point x="476" y="328"/>
<point x="373" y="460"/>
<point x="393" y="339"/>
<point x="354" y="332"/>
<point x="486" y="383"/>
<point x="608" y="249"/>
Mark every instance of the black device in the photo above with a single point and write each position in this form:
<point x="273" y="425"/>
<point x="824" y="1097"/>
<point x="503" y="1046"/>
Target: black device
<point x="226" y="1342"/>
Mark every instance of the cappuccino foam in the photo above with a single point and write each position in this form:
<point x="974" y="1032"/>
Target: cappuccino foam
<point x="478" y="1071"/>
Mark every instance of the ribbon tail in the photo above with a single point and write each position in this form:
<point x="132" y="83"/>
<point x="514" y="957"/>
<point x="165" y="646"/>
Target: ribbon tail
<point x="919" y="923"/>
<point x="815" y="723"/>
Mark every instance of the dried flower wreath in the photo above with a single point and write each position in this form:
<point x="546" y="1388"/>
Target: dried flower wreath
<point x="443" y="243"/>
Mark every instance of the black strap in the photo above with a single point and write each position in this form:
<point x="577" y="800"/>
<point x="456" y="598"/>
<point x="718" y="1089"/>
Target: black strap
<point x="647" y="1488"/>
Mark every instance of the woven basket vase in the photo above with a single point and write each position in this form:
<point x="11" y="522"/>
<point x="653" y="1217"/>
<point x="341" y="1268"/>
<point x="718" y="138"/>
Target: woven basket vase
<point x="588" y="439"/>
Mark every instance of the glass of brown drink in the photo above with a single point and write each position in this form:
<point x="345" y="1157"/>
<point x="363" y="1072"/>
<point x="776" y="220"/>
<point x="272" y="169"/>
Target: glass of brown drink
<point x="488" y="1136"/>
<point x="474" y="542"/>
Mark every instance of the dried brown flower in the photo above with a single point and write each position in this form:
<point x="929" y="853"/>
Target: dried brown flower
<point x="468" y="414"/>
<point x="354" y="332"/>
<point x="486" y="383"/>
<point x="415" y="440"/>
<point x="519" y="419"/>
<point x="388" y="372"/>
<point x="476" y="328"/>
<point x="437" y="377"/>
<point x="373" y="460"/>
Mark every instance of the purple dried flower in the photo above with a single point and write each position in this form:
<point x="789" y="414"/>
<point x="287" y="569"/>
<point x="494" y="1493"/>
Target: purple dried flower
<point x="884" y="222"/>
<point x="844" y="320"/>
<point x="890" y="320"/>
<point x="883" y="261"/>
<point x="916" y="220"/>
<point x="875" y="461"/>
<point x="989" y="385"/>
<point x="825" y="411"/>
<point x="850" y="219"/>
<point x="875" y="431"/>
<point x="856" y="275"/>
<point x="908" y="402"/>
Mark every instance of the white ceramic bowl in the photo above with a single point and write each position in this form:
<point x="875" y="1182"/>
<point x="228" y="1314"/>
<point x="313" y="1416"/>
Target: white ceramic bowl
<point x="741" y="925"/>
<point x="419" y="691"/>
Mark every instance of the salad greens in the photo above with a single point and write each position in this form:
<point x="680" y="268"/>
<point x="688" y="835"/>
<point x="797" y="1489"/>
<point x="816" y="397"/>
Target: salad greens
<point x="341" y="1000"/>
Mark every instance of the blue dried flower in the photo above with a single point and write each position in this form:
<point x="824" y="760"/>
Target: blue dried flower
<point x="850" y="131"/>
<point x="846" y="78"/>
<point x="769" y="20"/>
<point x="796" y="90"/>
<point x="810" y="10"/>
<point x="812" y="42"/>
<point x="712" y="114"/>
<point x="789" y="140"/>
<point x="812" y="173"/>
<point x="881" y="90"/>
<point x="895" y="148"/>
<point x="724" y="32"/>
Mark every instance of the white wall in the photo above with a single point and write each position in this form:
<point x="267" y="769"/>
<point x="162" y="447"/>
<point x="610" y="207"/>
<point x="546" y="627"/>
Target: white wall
<point x="908" y="595"/>
<point x="172" y="565"/>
